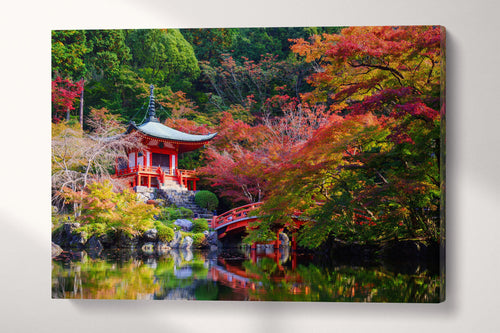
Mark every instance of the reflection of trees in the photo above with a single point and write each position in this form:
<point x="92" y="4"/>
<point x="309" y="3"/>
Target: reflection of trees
<point x="342" y="284"/>
<point x="99" y="279"/>
<point x="129" y="277"/>
<point x="183" y="275"/>
<point x="178" y="274"/>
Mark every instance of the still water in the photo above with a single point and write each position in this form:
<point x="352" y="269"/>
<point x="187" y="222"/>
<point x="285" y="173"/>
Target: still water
<point x="238" y="275"/>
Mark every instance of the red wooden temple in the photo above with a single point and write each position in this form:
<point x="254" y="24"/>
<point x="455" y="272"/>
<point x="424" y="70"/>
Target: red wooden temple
<point x="157" y="163"/>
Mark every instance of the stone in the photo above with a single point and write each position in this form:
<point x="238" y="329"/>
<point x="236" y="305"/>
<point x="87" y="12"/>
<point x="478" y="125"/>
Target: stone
<point x="124" y="241"/>
<point x="106" y="240"/>
<point x="56" y="250"/>
<point x="66" y="236"/>
<point x="78" y="241"/>
<point x="176" y="242"/>
<point x="69" y="228"/>
<point x="184" y="224"/>
<point x="150" y="235"/>
<point x="94" y="244"/>
<point x="187" y="242"/>
<point x="212" y="238"/>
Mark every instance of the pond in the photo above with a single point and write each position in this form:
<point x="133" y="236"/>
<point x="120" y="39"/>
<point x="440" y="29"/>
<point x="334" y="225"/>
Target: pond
<point x="242" y="275"/>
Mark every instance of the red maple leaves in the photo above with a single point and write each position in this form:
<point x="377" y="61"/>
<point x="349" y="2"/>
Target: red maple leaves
<point x="64" y="95"/>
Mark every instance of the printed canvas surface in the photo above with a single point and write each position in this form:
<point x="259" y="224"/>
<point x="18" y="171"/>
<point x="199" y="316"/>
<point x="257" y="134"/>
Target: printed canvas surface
<point x="249" y="164"/>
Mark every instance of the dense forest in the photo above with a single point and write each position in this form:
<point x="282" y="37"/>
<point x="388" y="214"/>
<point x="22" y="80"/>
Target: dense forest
<point x="341" y="125"/>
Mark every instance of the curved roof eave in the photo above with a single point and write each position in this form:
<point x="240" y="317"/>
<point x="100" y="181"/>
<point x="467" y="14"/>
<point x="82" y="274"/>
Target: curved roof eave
<point x="160" y="131"/>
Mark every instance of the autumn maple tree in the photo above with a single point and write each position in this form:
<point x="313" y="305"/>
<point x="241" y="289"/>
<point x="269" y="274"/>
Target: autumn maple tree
<point x="64" y="95"/>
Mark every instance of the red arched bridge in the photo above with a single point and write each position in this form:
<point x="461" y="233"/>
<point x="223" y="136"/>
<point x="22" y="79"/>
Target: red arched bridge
<point x="237" y="220"/>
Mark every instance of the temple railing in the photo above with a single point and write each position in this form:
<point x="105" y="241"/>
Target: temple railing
<point x="185" y="178"/>
<point x="139" y="168"/>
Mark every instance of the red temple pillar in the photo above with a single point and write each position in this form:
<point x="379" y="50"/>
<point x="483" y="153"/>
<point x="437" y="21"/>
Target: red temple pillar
<point x="138" y="179"/>
<point x="294" y="243"/>
<point x="194" y="185"/>
<point x="253" y="253"/>
<point x="277" y="242"/>
<point x="149" y="181"/>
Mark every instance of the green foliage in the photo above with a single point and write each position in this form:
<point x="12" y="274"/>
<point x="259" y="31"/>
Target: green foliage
<point x="252" y="43"/>
<point x="108" y="52"/>
<point x="209" y="44"/>
<point x="190" y="160"/>
<point x="199" y="225"/>
<point x="198" y="239"/>
<point x="206" y="199"/>
<point x="165" y="233"/>
<point x="69" y="48"/>
<point x="174" y="213"/>
<point x="163" y="57"/>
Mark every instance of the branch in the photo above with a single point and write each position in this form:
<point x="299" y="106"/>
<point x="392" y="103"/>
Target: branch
<point x="393" y="71"/>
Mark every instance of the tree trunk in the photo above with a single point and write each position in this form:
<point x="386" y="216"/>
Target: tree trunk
<point x="81" y="105"/>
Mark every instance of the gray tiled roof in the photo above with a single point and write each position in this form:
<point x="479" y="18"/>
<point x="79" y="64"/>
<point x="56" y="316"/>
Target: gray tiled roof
<point x="158" y="130"/>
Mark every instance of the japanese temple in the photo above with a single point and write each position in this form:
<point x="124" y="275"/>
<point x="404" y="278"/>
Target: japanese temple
<point x="156" y="165"/>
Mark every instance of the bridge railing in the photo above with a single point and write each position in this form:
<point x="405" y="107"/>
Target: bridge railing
<point x="234" y="214"/>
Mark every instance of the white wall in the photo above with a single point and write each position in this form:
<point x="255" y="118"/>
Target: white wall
<point x="131" y="160"/>
<point x="473" y="226"/>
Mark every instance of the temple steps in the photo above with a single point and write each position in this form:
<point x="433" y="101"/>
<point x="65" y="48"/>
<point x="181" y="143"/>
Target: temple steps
<point x="181" y="197"/>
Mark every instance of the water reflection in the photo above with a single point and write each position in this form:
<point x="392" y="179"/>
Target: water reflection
<point x="264" y="274"/>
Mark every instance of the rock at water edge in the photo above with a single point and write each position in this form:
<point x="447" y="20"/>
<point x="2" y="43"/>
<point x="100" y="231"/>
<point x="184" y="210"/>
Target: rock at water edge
<point x="150" y="235"/>
<point x="94" y="244"/>
<point x="187" y="242"/>
<point x="176" y="242"/>
<point x="56" y="250"/>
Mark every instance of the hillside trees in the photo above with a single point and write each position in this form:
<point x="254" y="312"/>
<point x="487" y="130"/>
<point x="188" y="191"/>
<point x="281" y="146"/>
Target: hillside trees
<point x="68" y="50"/>
<point x="249" y="83"/>
<point x="163" y="57"/>
<point x="209" y="44"/>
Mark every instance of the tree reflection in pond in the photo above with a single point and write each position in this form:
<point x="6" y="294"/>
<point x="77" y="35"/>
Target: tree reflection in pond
<point x="193" y="275"/>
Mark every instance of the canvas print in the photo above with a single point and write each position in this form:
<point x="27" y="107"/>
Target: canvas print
<point x="249" y="164"/>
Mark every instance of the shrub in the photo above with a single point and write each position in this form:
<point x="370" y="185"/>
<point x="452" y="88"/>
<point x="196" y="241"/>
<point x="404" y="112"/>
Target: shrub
<point x="206" y="199"/>
<point x="199" y="225"/>
<point x="94" y="229"/>
<point x="174" y="213"/>
<point x="198" y="239"/>
<point x="165" y="234"/>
